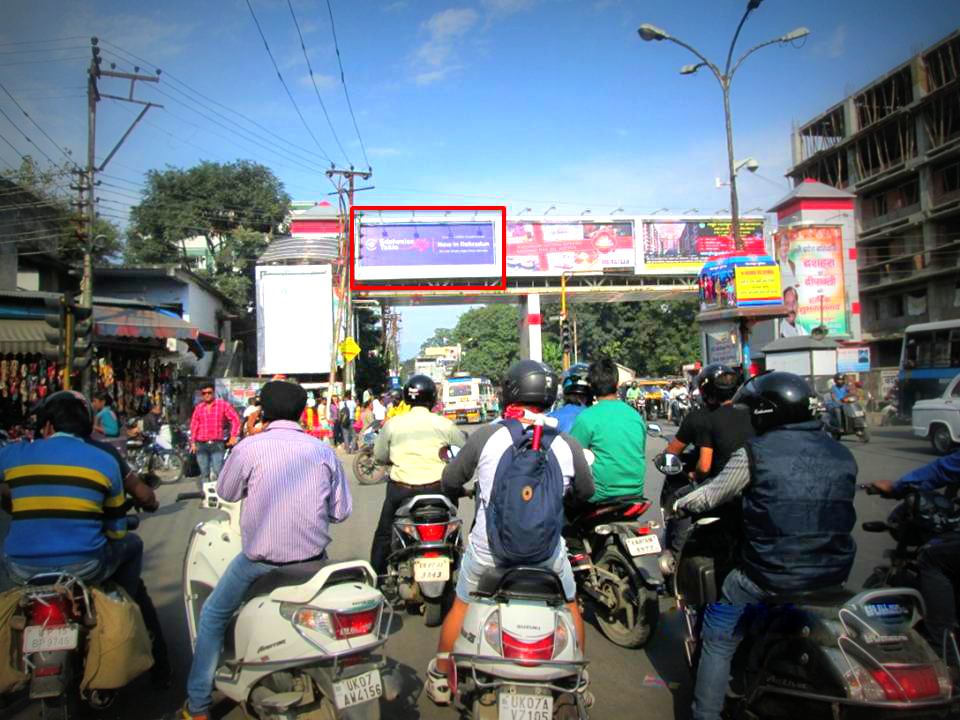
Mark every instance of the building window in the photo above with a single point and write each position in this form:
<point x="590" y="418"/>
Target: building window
<point x="880" y="205"/>
<point x="894" y="306"/>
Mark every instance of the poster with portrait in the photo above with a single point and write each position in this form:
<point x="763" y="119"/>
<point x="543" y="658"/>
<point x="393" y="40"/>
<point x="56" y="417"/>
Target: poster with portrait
<point x="811" y="273"/>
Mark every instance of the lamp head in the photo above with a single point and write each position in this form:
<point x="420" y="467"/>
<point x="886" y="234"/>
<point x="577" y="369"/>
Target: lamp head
<point x="800" y="32"/>
<point x="690" y="69"/>
<point x="651" y="32"/>
<point x="753" y="4"/>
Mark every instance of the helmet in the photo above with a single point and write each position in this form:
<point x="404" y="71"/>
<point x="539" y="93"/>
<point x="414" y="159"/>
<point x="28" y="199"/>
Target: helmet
<point x="68" y="410"/>
<point x="717" y="383"/>
<point x="420" y="391"/>
<point x="775" y="399"/>
<point x="396" y="396"/>
<point x="529" y="382"/>
<point x="575" y="381"/>
<point x="839" y="378"/>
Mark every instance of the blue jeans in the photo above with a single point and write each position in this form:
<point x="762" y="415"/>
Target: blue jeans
<point x="723" y="627"/>
<point x="215" y="615"/>
<point x="120" y="561"/>
<point x="210" y="457"/>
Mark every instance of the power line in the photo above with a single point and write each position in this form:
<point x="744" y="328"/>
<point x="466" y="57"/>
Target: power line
<point x="45" y="40"/>
<point x="27" y="138"/>
<point x="284" y="82"/>
<point x="343" y="80"/>
<point x="314" y="81"/>
<point x="35" y="124"/>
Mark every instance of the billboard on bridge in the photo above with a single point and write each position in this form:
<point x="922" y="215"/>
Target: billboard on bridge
<point x="548" y="247"/>
<point x="679" y="246"/>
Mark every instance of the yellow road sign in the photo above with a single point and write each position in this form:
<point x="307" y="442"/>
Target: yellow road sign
<point x="349" y="349"/>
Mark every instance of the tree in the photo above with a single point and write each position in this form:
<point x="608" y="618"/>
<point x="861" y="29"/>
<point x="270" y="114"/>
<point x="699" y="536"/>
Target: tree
<point x="440" y="338"/>
<point x="371" y="368"/>
<point x="490" y="336"/>
<point x="235" y="207"/>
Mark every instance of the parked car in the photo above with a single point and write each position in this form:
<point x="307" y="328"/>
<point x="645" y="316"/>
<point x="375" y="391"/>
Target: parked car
<point x="939" y="418"/>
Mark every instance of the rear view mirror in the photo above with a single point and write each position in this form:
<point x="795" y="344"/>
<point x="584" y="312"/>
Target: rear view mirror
<point x="874" y="526"/>
<point x="654" y="430"/>
<point x="668" y="464"/>
<point x="448" y="452"/>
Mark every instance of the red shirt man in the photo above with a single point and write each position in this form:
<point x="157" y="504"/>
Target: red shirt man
<point x="210" y="419"/>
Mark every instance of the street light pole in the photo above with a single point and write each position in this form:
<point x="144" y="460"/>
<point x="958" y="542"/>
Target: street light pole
<point x="649" y="32"/>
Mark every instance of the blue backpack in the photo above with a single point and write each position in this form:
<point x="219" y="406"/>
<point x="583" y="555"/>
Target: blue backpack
<point x="525" y="513"/>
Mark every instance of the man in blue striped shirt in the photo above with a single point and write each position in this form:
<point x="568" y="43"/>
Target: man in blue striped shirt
<point x="66" y="501"/>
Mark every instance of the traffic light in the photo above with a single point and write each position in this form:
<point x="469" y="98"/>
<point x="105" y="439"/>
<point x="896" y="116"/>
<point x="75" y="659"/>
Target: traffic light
<point x="70" y="335"/>
<point x="55" y="335"/>
<point x="565" y="345"/>
<point x="82" y="336"/>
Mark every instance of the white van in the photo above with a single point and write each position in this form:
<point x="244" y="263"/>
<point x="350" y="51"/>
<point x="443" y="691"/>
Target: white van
<point x="471" y="399"/>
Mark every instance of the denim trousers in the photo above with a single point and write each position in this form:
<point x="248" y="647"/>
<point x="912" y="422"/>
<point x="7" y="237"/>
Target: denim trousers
<point x="215" y="615"/>
<point x="210" y="457"/>
<point x="724" y="624"/>
<point x="120" y="560"/>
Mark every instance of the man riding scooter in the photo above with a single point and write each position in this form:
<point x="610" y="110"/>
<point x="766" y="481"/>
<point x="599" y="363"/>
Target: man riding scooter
<point x="791" y="463"/>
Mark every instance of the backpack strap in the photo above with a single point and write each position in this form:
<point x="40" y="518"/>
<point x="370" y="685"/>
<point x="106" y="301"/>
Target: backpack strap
<point x="516" y="429"/>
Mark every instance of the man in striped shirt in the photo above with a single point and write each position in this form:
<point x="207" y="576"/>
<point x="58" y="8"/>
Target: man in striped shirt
<point x="208" y="426"/>
<point x="293" y="487"/>
<point x="66" y="501"/>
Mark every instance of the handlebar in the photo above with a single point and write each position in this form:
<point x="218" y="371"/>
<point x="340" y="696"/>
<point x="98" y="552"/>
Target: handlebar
<point x="189" y="496"/>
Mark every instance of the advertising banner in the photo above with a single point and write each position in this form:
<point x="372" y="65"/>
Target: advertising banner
<point x="739" y="281"/>
<point x="683" y="246"/>
<point x="446" y="352"/>
<point x="723" y="344"/>
<point x="426" y="244"/>
<point x="853" y="359"/>
<point x="811" y="273"/>
<point x="553" y="248"/>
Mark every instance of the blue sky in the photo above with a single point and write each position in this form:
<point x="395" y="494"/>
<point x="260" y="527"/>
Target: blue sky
<point x="528" y="103"/>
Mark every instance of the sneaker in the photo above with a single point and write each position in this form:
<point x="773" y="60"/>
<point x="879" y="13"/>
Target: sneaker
<point x="437" y="687"/>
<point x="185" y="714"/>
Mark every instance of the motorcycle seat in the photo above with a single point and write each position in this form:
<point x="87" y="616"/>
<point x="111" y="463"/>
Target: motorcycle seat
<point x="825" y="597"/>
<point x="284" y="576"/>
<point x="521" y="583"/>
<point x="606" y="510"/>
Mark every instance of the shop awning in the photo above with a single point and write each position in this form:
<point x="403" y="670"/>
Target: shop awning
<point x="22" y="336"/>
<point x="137" y="323"/>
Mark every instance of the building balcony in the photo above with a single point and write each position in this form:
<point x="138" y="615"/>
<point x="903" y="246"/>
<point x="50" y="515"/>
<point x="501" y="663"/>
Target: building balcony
<point x="894" y="218"/>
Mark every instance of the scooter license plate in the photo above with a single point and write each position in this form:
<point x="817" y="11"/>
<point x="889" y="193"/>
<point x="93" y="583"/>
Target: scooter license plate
<point x="525" y="706"/>
<point x="431" y="569"/>
<point x="40" y="639"/>
<point x="356" y="690"/>
<point x="643" y="545"/>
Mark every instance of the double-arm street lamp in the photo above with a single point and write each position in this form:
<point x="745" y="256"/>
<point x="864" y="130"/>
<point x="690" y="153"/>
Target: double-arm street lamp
<point x="725" y="77"/>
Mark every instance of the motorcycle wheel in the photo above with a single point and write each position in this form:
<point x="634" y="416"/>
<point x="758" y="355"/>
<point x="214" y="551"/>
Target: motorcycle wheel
<point x="616" y="625"/>
<point x="173" y="470"/>
<point x="364" y="468"/>
<point x="432" y="611"/>
<point x="65" y="707"/>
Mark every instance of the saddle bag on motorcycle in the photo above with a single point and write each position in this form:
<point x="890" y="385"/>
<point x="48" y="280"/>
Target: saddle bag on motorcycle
<point x="525" y="513"/>
<point x="118" y="646"/>
<point x="12" y="677"/>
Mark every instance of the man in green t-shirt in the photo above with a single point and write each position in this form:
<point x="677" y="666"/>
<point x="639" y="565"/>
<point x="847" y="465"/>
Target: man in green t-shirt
<point x="633" y="395"/>
<point x="615" y="433"/>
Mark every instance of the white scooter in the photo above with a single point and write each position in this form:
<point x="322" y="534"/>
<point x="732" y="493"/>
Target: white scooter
<point x="305" y="641"/>
<point x="517" y="655"/>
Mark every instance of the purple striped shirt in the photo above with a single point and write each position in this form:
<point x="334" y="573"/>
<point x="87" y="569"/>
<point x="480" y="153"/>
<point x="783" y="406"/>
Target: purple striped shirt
<point x="292" y="486"/>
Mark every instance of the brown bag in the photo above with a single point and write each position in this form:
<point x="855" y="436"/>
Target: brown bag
<point x="118" y="646"/>
<point x="12" y="677"/>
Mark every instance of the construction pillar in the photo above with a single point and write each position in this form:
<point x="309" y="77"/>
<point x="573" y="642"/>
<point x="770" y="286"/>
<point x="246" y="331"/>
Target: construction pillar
<point x="531" y="345"/>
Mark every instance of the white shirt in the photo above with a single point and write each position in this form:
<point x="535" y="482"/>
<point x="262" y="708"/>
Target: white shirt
<point x="788" y="330"/>
<point x="379" y="411"/>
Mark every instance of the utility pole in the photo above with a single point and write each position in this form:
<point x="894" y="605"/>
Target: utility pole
<point x="350" y="175"/>
<point x="93" y="97"/>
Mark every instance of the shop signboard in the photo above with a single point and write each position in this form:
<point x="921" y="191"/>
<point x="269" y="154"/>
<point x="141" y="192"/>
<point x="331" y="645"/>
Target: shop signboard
<point x="739" y="281"/>
<point x="446" y="352"/>
<point x="811" y="274"/>
<point x="287" y="296"/>
<point x="554" y="248"/>
<point x="853" y="359"/>
<point x="427" y="250"/>
<point x="723" y="344"/>
<point x="682" y="246"/>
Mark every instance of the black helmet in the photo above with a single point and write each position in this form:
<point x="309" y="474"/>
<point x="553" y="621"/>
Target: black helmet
<point x="775" y="399"/>
<point x="575" y="381"/>
<point x="68" y="411"/>
<point x="420" y="391"/>
<point x="529" y="382"/>
<point x="839" y="378"/>
<point x="717" y="383"/>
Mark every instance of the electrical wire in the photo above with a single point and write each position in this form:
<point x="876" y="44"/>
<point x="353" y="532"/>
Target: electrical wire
<point x="36" y="125"/>
<point x="27" y="138"/>
<point x="283" y="82"/>
<point x="343" y="81"/>
<point x="314" y="81"/>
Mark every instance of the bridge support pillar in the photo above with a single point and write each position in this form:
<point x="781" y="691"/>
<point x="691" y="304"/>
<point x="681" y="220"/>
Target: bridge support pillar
<point x="531" y="345"/>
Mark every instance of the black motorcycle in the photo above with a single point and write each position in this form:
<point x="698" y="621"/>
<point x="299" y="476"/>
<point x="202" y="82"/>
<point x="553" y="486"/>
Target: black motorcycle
<point x="915" y="521"/>
<point x="824" y="654"/>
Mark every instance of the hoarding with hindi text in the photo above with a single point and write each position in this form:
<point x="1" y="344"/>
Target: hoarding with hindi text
<point x="811" y="275"/>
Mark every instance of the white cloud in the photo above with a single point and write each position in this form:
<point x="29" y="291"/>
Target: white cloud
<point x="324" y="82"/>
<point x="448" y="24"/>
<point x="434" y="59"/>
<point x="833" y="46"/>
<point x="396" y="6"/>
<point x="506" y="7"/>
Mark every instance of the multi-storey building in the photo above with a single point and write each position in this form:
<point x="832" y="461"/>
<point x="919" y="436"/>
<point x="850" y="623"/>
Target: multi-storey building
<point x="895" y="144"/>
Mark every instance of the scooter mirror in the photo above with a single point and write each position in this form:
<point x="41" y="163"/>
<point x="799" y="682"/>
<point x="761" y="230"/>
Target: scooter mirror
<point x="654" y="429"/>
<point x="448" y="452"/>
<point x="589" y="455"/>
<point x="874" y="526"/>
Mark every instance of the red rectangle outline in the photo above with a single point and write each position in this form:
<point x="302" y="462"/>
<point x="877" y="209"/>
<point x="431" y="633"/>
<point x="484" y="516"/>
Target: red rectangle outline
<point x="355" y="286"/>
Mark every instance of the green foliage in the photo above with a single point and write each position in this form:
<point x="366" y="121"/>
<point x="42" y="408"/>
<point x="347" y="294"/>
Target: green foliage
<point x="371" y="369"/>
<point x="235" y="207"/>
<point x="441" y="337"/>
<point x="490" y="336"/>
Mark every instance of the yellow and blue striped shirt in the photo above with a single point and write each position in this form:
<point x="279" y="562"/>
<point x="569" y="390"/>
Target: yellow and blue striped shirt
<point x="67" y="500"/>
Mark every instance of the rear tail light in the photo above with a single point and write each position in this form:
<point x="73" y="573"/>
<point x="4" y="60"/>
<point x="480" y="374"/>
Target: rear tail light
<point x="46" y="670"/>
<point x="526" y="653"/>
<point x="637" y="509"/>
<point x="491" y="631"/>
<point x="432" y="533"/>
<point x="907" y="682"/>
<point x="49" y="610"/>
<point x="348" y="625"/>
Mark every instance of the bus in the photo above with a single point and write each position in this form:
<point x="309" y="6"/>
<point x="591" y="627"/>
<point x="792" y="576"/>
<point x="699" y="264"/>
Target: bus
<point x="929" y="359"/>
<point x="470" y="399"/>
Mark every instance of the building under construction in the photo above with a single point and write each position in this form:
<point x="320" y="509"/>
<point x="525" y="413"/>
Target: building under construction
<point x="895" y="144"/>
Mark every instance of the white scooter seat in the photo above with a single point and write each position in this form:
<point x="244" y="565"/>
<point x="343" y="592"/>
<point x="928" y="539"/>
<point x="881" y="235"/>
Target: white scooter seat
<point x="521" y="583"/>
<point x="284" y="576"/>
